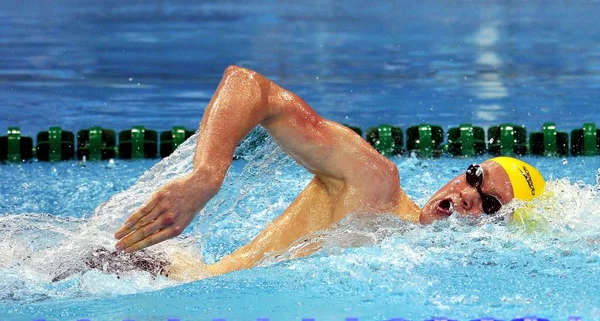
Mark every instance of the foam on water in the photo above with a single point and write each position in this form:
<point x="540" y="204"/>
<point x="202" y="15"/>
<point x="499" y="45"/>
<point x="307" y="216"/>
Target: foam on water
<point x="37" y="247"/>
<point x="463" y="266"/>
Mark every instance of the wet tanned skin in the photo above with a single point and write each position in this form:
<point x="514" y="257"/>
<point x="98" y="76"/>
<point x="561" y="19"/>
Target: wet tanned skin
<point x="350" y="177"/>
<point x="464" y="198"/>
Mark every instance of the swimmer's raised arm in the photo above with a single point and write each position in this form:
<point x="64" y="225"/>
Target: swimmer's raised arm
<point x="339" y="158"/>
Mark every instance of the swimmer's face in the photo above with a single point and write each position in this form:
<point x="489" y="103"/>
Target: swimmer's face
<point x="459" y="197"/>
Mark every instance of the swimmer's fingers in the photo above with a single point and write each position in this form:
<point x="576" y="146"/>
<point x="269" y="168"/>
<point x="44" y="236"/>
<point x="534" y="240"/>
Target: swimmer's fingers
<point x="138" y="235"/>
<point x="152" y="239"/>
<point x="149" y="218"/>
<point x="128" y="226"/>
<point x="145" y="236"/>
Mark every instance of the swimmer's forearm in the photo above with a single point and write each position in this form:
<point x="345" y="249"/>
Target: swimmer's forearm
<point x="238" y="105"/>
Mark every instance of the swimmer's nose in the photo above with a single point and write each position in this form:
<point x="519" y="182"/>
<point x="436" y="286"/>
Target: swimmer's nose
<point x="468" y="198"/>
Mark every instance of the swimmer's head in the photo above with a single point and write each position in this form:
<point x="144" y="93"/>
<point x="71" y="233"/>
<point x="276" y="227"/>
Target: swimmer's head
<point x="484" y="189"/>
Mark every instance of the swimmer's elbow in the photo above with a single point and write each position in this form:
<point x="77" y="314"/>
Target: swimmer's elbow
<point x="249" y="87"/>
<point x="233" y="68"/>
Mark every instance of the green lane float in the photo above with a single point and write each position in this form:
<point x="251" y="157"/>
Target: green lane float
<point x="549" y="142"/>
<point x="138" y="143"/>
<point x="386" y="139"/>
<point x="96" y="144"/>
<point x="15" y="148"/>
<point x="169" y="140"/>
<point x="55" y="145"/>
<point x="584" y="141"/>
<point x="466" y="140"/>
<point x="424" y="139"/>
<point x="507" y="140"/>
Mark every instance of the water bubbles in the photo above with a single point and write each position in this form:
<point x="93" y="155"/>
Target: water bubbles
<point x="564" y="161"/>
<point x="111" y="163"/>
<point x="83" y="161"/>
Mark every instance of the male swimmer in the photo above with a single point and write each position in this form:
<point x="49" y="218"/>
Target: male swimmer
<point x="344" y="166"/>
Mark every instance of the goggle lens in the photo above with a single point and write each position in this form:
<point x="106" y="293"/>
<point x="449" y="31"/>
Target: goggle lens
<point x="474" y="176"/>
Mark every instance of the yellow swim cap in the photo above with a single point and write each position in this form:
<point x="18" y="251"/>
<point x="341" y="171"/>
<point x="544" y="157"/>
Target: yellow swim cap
<point x="526" y="180"/>
<point x="527" y="184"/>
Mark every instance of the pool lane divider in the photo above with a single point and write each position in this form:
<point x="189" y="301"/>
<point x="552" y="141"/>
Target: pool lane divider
<point x="170" y="140"/>
<point x="507" y="140"/>
<point x="138" y="143"/>
<point x="55" y="145"/>
<point x="584" y="141"/>
<point x="423" y="140"/>
<point x="466" y="140"/>
<point x="14" y="147"/>
<point x="549" y="142"/>
<point x="386" y="139"/>
<point x="96" y="143"/>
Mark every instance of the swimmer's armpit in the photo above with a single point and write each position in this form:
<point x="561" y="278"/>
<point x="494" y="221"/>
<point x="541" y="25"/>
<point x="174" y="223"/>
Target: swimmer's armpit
<point x="118" y="262"/>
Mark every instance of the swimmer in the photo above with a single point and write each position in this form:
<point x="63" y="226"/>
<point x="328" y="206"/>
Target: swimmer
<point x="349" y="177"/>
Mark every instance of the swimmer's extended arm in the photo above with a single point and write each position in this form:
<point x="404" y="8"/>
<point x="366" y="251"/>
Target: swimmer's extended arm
<point x="244" y="99"/>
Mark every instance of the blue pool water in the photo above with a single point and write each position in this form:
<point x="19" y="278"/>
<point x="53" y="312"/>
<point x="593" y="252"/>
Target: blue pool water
<point x="156" y="63"/>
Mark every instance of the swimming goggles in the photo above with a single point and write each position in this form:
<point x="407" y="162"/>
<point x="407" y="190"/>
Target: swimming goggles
<point x="474" y="176"/>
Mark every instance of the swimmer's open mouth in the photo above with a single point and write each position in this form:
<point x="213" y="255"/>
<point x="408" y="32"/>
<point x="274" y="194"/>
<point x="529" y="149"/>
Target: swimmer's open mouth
<point x="445" y="207"/>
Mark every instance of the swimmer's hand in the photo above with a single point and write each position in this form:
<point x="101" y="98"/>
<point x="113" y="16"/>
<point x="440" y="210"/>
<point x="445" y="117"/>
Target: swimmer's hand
<point x="168" y="212"/>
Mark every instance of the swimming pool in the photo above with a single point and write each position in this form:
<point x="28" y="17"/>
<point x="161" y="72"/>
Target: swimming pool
<point x="157" y="63"/>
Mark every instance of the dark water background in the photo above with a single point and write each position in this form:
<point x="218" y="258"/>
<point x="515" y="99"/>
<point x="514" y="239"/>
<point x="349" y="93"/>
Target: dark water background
<point x="156" y="63"/>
